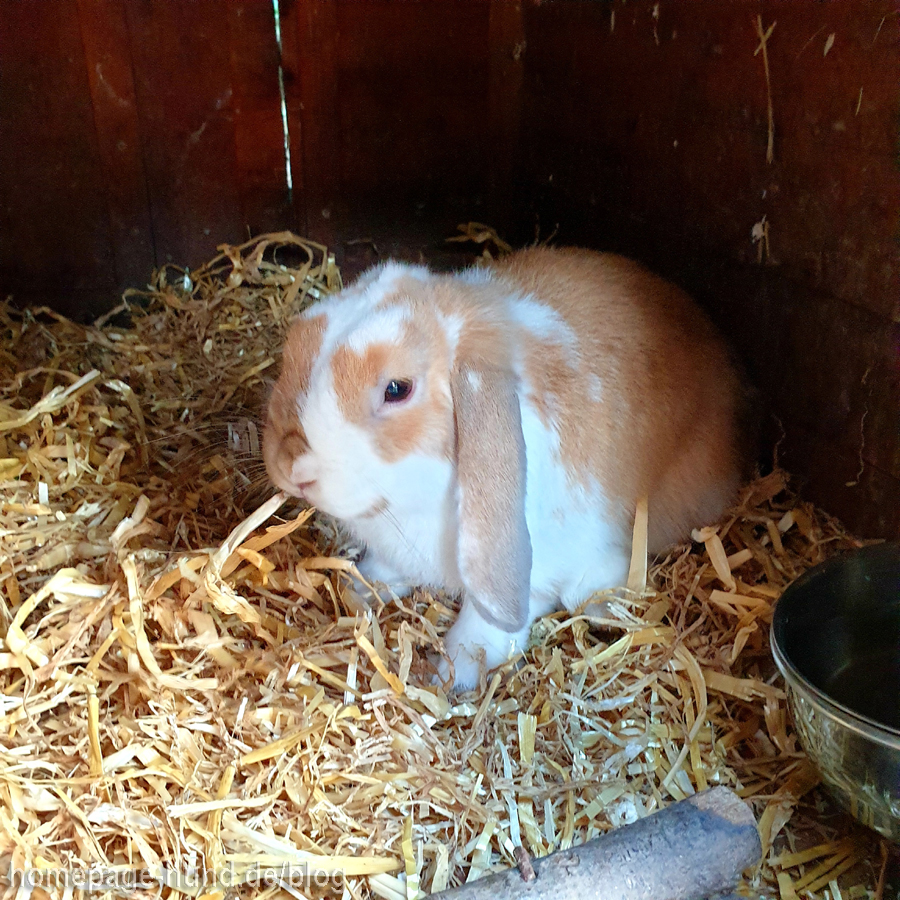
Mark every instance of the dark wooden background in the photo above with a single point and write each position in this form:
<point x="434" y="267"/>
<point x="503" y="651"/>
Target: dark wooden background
<point x="139" y="132"/>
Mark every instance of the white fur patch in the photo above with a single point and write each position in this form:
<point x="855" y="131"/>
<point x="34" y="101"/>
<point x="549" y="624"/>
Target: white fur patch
<point x="595" y="386"/>
<point x="382" y="279"/>
<point x="452" y="326"/>
<point x="419" y="535"/>
<point x="473" y="642"/>
<point x="383" y="328"/>
<point x="357" y="303"/>
<point x="476" y="275"/>
<point x="416" y="534"/>
<point x="576" y="550"/>
<point x="542" y="321"/>
<point x="474" y="380"/>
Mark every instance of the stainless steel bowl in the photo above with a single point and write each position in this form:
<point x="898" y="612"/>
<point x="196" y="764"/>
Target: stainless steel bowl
<point x="836" y="640"/>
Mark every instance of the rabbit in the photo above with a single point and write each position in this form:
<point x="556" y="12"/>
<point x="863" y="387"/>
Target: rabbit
<point x="488" y="433"/>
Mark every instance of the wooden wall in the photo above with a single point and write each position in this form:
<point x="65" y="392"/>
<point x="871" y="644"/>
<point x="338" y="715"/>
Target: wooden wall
<point x="648" y="129"/>
<point x="139" y="132"/>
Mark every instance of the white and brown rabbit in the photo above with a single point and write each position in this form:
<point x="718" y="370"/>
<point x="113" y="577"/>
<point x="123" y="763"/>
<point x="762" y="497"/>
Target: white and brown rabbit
<point x="489" y="433"/>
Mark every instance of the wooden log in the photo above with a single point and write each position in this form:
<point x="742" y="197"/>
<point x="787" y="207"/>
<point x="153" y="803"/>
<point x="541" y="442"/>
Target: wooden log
<point x="695" y="848"/>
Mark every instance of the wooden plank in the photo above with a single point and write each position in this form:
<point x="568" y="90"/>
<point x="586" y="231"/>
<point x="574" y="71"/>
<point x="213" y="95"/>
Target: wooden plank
<point x="413" y="104"/>
<point x="867" y="503"/>
<point x="659" y="111"/>
<point x="310" y="36"/>
<point x="394" y="112"/>
<point x="104" y="33"/>
<point x="54" y="226"/>
<point x="835" y="211"/>
<point x="507" y="47"/>
<point x="293" y="97"/>
<point x="840" y="377"/>
<point x="182" y="66"/>
<point x="260" y="172"/>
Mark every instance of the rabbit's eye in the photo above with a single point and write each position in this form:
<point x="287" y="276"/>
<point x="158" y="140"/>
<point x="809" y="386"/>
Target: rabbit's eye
<point x="398" y="390"/>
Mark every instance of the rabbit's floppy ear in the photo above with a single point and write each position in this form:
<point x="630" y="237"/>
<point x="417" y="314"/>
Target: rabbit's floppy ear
<point x="494" y="545"/>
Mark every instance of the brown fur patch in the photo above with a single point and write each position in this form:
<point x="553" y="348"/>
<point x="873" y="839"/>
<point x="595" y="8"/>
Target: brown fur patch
<point x="424" y="425"/>
<point x="356" y="373"/>
<point x="283" y="437"/>
<point x="301" y="348"/>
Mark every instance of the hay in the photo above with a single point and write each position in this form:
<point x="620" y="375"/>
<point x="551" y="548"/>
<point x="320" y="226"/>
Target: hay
<point x="192" y="690"/>
<point x="764" y="36"/>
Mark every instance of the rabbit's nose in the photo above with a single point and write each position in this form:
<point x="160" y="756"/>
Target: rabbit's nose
<point x="302" y="470"/>
<point x="303" y="475"/>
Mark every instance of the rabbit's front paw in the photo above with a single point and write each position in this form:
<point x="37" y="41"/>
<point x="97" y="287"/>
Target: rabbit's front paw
<point x="473" y="642"/>
<point x="384" y="578"/>
<point x="466" y="671"/>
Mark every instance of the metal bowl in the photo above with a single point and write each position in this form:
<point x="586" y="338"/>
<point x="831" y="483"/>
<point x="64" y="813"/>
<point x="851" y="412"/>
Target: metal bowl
<point x="836" y="640"/>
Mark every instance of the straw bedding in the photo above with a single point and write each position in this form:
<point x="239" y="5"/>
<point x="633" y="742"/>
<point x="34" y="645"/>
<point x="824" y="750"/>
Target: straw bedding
<point x="193" y="691"/>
